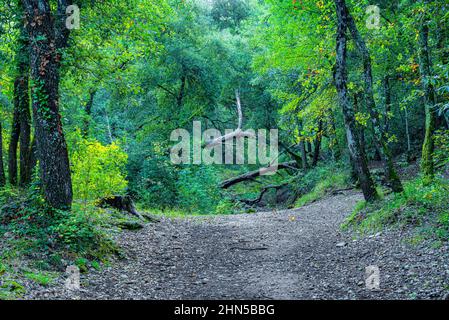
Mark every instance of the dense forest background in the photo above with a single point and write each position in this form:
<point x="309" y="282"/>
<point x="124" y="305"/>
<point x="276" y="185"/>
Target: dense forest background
<point x="360" y="97"/>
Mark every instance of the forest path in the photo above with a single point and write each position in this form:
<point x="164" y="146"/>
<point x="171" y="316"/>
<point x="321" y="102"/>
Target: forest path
<point x="291" y="254"/>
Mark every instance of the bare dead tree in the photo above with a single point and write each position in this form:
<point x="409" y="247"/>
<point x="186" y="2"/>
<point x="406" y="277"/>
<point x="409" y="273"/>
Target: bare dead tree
<point x="237" y="133"/>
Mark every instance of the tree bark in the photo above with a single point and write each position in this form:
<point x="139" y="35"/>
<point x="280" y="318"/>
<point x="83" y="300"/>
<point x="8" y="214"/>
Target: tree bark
<point x="387" y="93"/>
<point x="427" y="162"/>
<point x="317" y="144"/>
<point x="2" y="169"/>
<point x="358" y="157"/>
<point x="88" y="111"/>
<point x="380" y="136"/>
<point x="14" y="139"/>
<point x="24" y="111"/>
<point x="21" y="130"/>
<point x="51" y="145"/>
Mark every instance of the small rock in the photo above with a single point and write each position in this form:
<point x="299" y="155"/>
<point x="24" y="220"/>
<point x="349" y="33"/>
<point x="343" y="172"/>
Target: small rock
<point x="341" y="244"/>
<point x="130" y="225"/>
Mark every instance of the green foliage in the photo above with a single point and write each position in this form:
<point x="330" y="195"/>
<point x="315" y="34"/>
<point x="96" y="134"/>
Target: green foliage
<point x="198" y="189"/>
<point x="421" y="205"/>
<point x="98" y="170"/>
<point x="42" y="278"/>
<point x="10" y="289"/>
<point x="37" y="229"/>
<point x="442" y="148"/>
<point x="320" y="181"/>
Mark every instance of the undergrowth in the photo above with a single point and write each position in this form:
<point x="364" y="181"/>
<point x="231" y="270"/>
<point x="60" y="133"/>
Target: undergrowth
<point x="423" y="206"/>
<point x="39" y="242"/>
<point x="318" y="182"/>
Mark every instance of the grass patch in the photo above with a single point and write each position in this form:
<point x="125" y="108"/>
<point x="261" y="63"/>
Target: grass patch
<point x="421" y="205"/>
<point x="42" y="278"/>
<point x="318" y="182"/>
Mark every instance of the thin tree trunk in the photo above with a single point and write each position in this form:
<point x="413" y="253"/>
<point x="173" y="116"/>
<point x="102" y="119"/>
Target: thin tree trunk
<point x="334" y="139"/>
<point x="180" y="97"/>
<point x="14" y="139"/>
<point x="317" y="144"/>
<point x="88" y="111"/>
<point x="357" y="156"/>
<point x="24" y="109"/>
<point x="2" y="169"/>
<point x="427" y="162"/>
<point x="302" y="146"/>
<point x="20" y="129"/>
<point x="380" y="136"/>
<point x="51" y="145"/>
<point x="387" y="93"/>
<point x="407" y="133"/>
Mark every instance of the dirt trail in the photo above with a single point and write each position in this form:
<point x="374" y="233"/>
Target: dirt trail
<point x="290" y="254"/>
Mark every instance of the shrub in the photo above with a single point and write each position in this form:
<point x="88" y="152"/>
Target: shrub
<point x="98" y="170"/>
<point x="198" y="190"/>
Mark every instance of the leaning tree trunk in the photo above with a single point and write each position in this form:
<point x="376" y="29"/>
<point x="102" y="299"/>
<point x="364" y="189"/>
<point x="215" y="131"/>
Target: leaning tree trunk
<point x="51" y="145"/>
<point x="380" y="136"/>
<point x="357" y="156"/>
<point x="427" y="162"/>
<point x="2" y="169"/>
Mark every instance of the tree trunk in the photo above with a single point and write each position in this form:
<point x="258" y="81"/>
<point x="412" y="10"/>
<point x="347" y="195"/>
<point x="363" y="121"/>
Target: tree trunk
<point x="387" y="93"/>
<point x="317" y="144"/>
<point x="180" y="97"/>
<point x="24" y="110"/>
<point x="51" y="145"/>
<point x="334" y="138"/>
<point x="302" y="146"/>
<point x="427" y="162"/>
<point x="21" y="130"/>
<point x="380" y="137"/>
<point x="14" y="140"/>
<point x="358" y="157"/>
<point x="88" y="111"/>
<point x="2" y="169"/>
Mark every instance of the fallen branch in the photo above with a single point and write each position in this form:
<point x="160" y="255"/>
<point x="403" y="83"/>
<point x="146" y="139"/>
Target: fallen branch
<point x="253" y="174"/>
<point x="262" y="192"/>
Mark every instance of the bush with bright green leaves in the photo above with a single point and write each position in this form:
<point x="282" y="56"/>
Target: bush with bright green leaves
<point x="98" y="170"/>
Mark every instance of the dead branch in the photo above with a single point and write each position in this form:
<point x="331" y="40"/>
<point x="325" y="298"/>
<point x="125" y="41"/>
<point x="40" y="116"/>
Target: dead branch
<point x="237" y="133"/>
<point x="253" y="174"/>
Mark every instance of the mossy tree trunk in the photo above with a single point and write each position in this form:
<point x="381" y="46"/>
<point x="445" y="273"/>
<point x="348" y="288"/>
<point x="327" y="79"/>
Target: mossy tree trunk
<point x="14" y="139"/>
<point x="427" y="161"/>
<point x="380" y="136"/>
<point x="2" y="169"/>
<point x="357" y="155"/>
<point x="52" y="152"/>
<point x="20" y="128"/>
